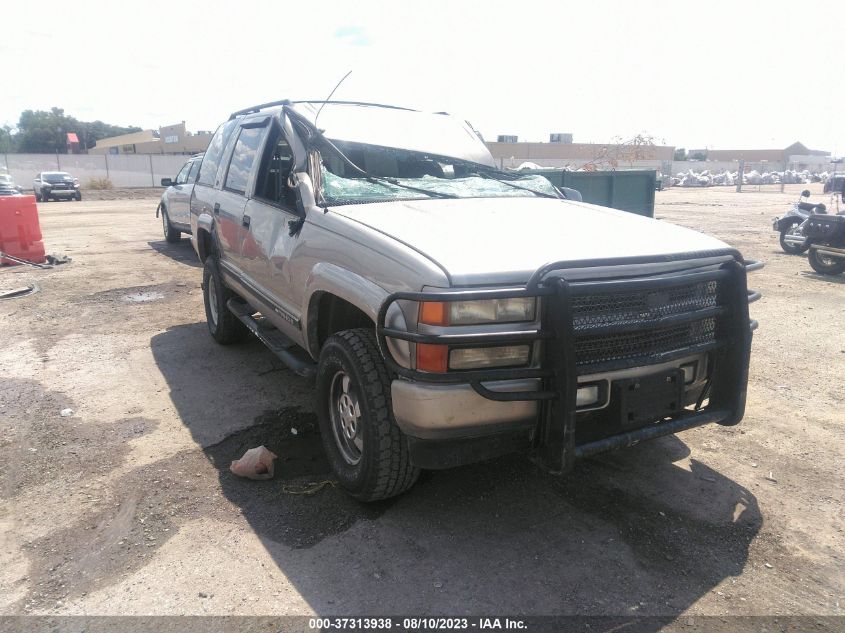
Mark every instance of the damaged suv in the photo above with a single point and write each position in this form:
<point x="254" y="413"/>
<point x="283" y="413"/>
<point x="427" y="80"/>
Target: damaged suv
<point x="452" y="312"/>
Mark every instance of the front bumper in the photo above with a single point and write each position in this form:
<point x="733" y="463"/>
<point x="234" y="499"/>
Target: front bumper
<point x="542" y="398"/>
<point x="60" y="193"/>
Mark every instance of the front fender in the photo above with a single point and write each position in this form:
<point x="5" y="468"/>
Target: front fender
<point x="347" y="285"/>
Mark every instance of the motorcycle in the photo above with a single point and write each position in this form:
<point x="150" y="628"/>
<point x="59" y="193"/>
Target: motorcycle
<point x="792" y="238"/>
<point x="826" y="237"/>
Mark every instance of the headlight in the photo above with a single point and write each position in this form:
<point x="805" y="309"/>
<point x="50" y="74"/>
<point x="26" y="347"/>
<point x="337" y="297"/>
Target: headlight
<point x="509" y="310"/>
<point x="442" y="358"/>
<point x="481" y="357"/>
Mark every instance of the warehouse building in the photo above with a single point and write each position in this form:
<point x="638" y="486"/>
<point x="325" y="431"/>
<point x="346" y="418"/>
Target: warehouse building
<point x="562" y="152"/>
<point x="169" y="139"/>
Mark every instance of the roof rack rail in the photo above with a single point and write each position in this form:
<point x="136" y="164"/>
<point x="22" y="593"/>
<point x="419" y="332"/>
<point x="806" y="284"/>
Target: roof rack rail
<point x="259" y="107"/>
<point x="284" y="102"/>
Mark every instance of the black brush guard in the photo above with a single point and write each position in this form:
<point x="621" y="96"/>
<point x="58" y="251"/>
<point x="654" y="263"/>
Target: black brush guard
<point x="554" y="444"/>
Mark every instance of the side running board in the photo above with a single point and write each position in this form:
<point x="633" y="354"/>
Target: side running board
<point x="276" y="341"/>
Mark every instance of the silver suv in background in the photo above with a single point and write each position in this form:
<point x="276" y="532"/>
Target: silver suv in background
<point x="452" y="312"/>
<point x="56" y="185"/>
<point x="175" y="203"/>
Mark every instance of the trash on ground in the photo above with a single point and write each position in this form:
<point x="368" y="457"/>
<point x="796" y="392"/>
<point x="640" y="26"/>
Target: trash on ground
<point x="257" y="463"/>
<point x="771" y="477"/>
<point x="66" y="413"/>
<point x="308" y="489"/>
<point x="55" y="259"/>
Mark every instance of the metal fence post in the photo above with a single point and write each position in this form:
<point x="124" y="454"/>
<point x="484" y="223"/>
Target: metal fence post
<point x="740" y="172"/>
<point x="152" y="175"/>
<point x="106" y="156"/>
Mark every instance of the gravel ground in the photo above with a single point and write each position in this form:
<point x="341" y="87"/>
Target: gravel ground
<point x="126" y="506"/>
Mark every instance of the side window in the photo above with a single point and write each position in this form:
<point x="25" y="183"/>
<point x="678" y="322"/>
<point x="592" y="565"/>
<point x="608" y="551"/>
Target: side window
<point x="195" y="167"/>
<point x="243" y="158"/>
<point x="211" y="160"/>
<point x="182" y="177"/>
<point x="276" y="163"/>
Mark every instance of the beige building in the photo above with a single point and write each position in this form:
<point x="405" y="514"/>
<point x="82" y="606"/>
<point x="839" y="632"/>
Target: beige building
<point x="761" y="155"/>
<point x="170" y="139"/>
<point x="576" y="152"/>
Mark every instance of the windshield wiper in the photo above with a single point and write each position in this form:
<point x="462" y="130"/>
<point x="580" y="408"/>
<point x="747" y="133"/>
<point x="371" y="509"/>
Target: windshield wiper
<point x="392" y="181"/>
<point x="542" y="194"/>
<point x="483" y="171"/>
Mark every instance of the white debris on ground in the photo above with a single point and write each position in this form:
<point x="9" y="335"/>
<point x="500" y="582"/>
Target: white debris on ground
<point x="709" y="178"/>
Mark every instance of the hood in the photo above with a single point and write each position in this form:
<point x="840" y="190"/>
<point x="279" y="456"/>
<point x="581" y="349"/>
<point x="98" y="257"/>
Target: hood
<point x="504" y="240"/>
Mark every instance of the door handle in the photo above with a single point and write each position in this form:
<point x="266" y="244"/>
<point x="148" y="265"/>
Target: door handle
<point x="216" y="207"/>
<point x="245" y="221"/>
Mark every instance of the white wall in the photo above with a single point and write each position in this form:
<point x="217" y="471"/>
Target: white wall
<point x="124" y="170"/>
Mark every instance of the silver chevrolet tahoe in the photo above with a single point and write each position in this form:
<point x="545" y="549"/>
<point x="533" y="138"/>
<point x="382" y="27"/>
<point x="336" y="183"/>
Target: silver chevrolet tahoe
<point x="451" y="312"/>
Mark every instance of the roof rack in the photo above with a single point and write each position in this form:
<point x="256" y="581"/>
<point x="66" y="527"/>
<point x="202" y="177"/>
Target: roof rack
<point x="284" y="102"/>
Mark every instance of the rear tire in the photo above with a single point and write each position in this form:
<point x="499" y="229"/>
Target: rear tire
<point x="366" y="449"/>
<point x="792" y="249"/>
<point x="224" y="326"/>
<point x="171" y="234"/>
<point x="825" y="265"/>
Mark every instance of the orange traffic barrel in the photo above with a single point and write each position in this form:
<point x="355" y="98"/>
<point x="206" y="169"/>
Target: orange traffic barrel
<point x="20" y="231"/>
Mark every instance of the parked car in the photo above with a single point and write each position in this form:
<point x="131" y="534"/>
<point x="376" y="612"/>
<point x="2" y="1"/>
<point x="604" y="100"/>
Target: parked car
<point x="451" y="312"/>
<point x="8" y="186"/>
<point x="175" y="204"/>
<point x="58" y="185"/>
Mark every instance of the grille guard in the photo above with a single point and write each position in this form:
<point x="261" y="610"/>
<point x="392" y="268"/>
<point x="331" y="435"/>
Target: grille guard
<point x="554" y="441"/>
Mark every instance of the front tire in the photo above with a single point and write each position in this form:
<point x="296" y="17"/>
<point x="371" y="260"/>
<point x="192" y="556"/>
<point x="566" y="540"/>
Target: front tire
<point x="367" y="451"/>
<point x="792" y="249"/>
<point x="78" y="196"/>
<point x="825" y="265"/>
<point x="224" y="326"/>
<point x="171" y="234"/>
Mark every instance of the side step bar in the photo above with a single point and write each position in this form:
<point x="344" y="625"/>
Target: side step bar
<point x="277" y="342"/>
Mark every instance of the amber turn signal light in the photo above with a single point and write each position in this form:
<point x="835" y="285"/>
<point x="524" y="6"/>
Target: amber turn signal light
<point x="432" y="358"/>
<point x="434" y="313"/>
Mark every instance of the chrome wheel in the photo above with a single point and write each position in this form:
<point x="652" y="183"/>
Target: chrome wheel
<point x="212" y="299"/>
<point x="345" y="413"/>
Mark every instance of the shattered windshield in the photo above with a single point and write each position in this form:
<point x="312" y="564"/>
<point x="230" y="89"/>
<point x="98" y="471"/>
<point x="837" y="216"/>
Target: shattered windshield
<point x="403" y="175"/>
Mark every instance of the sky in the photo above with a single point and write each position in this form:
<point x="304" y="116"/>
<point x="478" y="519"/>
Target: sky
<point x="712" y="74"/>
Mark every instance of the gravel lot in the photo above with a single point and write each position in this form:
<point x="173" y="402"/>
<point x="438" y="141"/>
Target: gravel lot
<point x="127" y="505"/>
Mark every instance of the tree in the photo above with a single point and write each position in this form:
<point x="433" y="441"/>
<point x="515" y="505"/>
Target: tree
<point x="680" y="154"/>
<point x="40" y="131"/>
<point x="7" y="144"/>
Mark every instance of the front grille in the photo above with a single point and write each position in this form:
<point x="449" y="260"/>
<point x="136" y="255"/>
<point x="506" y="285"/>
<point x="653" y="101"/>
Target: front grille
<point x="641" y="307"/>
<point x="631" y="307"/>
<point x="602" y="349"/>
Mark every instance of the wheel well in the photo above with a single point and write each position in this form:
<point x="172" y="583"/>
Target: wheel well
<point x="205" y="244"/>
<point x="334" y="315"/>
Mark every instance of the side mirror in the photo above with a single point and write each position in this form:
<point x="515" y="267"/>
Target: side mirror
<point x="166" y="182"/>
<point x="37" y="180"/>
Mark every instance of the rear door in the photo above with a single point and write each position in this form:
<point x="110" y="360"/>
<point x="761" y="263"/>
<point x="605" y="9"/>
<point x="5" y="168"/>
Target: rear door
<point x="206" y="190"/>
<point x="236" y="185"/>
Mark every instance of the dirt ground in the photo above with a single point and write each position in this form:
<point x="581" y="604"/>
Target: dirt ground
<point x="126" y="506"/>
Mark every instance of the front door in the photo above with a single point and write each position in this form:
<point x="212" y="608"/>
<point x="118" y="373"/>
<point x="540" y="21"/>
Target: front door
<point x="267" y="243"/>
